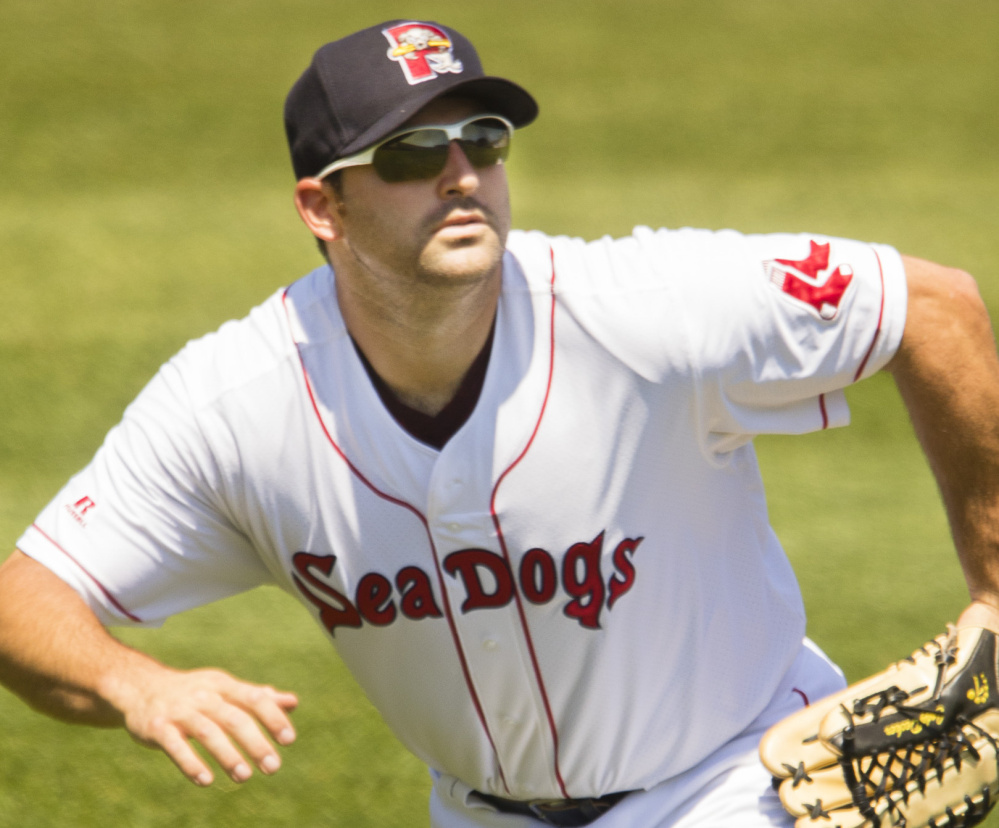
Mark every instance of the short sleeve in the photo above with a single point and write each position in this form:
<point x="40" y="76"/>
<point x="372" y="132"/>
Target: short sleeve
<point x="776" y="326"/>
<point x="763" y="332"/>
<point x="144" y="531"/>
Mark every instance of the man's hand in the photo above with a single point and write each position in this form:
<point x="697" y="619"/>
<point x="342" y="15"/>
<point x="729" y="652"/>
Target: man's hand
<point x="228" y="718"/>
<point x="55" y="654"/>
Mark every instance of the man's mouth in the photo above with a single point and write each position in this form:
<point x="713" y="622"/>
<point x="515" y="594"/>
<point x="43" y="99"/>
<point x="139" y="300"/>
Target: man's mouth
<point x="461" y="224"/>
<point x="461" y="218"/>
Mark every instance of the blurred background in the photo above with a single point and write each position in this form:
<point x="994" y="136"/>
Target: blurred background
<point x="145" y="198"/>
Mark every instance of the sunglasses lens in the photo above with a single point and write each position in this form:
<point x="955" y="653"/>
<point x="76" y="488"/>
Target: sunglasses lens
<point x="485" y="142"/>
<point x="412" y="157"/>
<point x="422" y="153"/>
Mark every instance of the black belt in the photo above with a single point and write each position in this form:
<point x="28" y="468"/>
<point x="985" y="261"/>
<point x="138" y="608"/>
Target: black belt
<point x="565" y="813"/>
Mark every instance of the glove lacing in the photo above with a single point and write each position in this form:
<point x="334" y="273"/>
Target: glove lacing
<point x="887" y="774"/>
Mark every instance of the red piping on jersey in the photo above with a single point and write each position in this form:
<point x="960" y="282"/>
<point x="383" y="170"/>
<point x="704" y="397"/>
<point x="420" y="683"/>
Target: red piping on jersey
<point x="803" y="695"/>
<point x="870" y="350"/>
<point x="502" y="541"/>
<point x="104" y="590"/>
<point x="881" y="314"/>
<point x="426" y="528"/>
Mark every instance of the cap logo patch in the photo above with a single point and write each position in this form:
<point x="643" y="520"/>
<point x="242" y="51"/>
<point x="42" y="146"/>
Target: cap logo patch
<point x="423" y="51"/>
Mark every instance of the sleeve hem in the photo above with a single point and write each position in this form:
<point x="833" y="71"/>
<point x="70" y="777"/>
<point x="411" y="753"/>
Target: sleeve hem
<point x="891" y="321"/>
<point x="40" y="547"/>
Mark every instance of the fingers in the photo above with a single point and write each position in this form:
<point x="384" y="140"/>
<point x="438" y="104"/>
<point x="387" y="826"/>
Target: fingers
<point x="270" y="707"/>
<point x="228" y="718"/>
<point x="174" y="744"/>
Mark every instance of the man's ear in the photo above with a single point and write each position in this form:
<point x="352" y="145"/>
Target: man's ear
<point x="317" y="205"/>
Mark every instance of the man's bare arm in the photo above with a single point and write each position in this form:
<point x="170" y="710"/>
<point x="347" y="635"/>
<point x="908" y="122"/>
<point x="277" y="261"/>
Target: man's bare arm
<point x="57" y="656"/>
<point x="947" y="372"/>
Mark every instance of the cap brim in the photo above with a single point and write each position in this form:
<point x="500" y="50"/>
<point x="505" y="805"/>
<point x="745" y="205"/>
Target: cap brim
<point x="497" y="95"/>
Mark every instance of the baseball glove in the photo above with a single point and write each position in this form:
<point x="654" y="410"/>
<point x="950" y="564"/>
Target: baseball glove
<point x="915" y="746"/>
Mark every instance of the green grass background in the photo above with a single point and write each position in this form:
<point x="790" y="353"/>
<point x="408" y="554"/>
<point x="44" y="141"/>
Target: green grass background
<point x="145" y="197"/>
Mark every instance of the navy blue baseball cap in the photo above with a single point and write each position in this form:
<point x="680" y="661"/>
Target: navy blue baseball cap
<point x="364" y="86"/>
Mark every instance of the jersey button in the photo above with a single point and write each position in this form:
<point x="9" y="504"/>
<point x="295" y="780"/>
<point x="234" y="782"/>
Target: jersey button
<point x="490" y="644"/>
<point x="454" y="527"/>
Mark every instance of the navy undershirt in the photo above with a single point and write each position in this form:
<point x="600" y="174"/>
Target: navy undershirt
<point x="435" y="430"/>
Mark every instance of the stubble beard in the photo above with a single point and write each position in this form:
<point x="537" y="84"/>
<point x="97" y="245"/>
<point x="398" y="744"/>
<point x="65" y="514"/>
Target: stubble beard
<point x="394" y="270"/>
<point x="459" y="261"/>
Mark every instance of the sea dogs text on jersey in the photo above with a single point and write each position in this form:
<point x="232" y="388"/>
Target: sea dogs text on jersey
<point x="486" y="577"/>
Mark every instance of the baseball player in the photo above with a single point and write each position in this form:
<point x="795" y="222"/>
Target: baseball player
<point x="510" y="475"/>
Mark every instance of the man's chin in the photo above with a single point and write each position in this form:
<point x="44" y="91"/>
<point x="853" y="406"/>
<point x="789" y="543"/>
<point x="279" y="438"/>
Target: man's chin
<point x="468" y="261"/>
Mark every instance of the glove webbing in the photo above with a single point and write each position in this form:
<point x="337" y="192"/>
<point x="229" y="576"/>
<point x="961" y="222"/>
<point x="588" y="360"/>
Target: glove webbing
<point x="897" y="767"/>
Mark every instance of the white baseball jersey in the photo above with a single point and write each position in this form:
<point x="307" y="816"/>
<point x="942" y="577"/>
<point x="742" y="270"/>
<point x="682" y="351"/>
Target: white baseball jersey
<point x="580" y="593"/>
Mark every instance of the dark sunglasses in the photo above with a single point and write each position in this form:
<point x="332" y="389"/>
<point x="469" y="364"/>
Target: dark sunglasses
<point x="420" y="153"/>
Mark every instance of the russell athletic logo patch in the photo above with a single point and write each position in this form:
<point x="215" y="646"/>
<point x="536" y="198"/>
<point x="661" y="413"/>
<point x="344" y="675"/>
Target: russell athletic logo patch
<point x="811" y="280"/>
<point x="79" y="509"/>
<point x="423" y="51"/>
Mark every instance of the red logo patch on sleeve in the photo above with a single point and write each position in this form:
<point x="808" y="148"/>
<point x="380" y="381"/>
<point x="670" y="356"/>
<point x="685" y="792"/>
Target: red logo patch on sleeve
<point x="811" y="280"/>
<point x="79" y="509"/>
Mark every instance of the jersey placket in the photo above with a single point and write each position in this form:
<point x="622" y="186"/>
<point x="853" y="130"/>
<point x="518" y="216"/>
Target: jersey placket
<point x="481" y="596"/>
<point x="489" y="622"/>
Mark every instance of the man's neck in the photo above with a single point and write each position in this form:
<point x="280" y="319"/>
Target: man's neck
<point x="435" y="430"/>
<point x="422" y="343"/>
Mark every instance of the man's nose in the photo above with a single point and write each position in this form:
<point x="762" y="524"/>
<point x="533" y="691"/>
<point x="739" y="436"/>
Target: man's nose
<point x="459" y="177"/>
